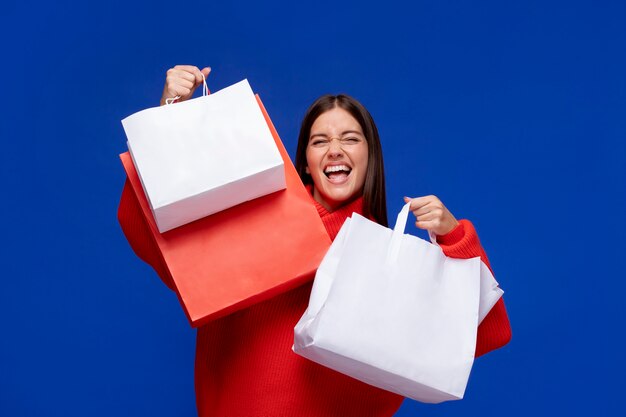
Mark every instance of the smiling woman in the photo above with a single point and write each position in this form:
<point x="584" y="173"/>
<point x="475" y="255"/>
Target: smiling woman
<point x="244" y="362"/>
<point x="336" y="158"/>
<point x="339" y="153"/>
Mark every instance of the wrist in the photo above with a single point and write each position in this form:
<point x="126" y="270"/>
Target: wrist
<point x="453" y="236"/>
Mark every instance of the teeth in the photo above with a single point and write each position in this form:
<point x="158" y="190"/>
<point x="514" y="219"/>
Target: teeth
<point x="336" y="168"/>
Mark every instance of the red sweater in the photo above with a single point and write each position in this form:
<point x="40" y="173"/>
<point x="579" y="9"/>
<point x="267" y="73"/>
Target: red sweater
<point x="244" y="363"/>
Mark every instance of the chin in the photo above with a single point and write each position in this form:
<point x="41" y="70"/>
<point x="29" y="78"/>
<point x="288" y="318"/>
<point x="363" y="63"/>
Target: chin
<point x="336" y="198"/>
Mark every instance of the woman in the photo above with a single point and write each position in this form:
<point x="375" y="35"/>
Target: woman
<point x="244" y="363"/>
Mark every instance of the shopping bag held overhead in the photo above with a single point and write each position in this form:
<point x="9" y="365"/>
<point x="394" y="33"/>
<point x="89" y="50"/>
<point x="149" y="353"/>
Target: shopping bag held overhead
<point x="204" y="155"/>
<point x="243" y="255"/>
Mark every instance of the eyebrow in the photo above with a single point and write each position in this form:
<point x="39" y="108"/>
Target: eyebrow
<point x="342" y="134"/>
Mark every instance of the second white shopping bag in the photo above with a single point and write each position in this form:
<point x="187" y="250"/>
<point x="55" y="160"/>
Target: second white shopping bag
<point x="393" y="311"/>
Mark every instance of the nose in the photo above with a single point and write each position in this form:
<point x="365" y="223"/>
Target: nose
<point x="334" y="148"/>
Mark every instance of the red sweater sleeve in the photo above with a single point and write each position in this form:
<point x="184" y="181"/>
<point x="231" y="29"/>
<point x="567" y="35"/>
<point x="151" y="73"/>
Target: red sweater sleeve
<point x="138" y="234"/>
<point x="495" y="330"/>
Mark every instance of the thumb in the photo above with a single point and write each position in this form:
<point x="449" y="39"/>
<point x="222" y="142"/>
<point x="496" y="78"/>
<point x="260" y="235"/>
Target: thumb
<point x="205" y="71"/>
<point x="407" y="199"/>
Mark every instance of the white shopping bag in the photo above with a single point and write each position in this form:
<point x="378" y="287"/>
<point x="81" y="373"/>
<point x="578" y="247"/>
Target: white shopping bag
<point x="204" y="155"/>
<point x="393" y="311"/>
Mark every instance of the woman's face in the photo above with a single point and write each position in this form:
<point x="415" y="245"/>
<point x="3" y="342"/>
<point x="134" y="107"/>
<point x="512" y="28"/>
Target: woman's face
<point x="336" y="158"/>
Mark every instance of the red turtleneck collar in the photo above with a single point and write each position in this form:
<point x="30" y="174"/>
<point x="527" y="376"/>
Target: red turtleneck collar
<point x="333" y="220"/>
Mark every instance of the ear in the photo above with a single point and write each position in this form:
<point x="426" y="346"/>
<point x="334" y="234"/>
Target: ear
<point x="307" y="170"/>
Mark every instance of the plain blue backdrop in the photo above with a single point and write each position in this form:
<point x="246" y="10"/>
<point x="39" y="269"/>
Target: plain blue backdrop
<point x="513" y="113"/>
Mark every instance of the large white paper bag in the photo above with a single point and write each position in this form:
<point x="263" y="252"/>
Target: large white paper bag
<point x="393" y="311"/>
<point x="204" y="155"/>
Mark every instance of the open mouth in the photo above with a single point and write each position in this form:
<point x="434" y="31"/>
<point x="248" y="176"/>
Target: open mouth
<point x="337" y="173"/>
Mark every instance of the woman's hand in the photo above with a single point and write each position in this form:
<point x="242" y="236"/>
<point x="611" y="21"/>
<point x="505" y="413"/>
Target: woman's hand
<point x="182" y="80"/>
<point x="432" y="215"/>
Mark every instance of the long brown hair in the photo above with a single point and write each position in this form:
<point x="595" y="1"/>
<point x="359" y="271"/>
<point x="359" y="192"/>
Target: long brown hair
<point x="374" y="197"/>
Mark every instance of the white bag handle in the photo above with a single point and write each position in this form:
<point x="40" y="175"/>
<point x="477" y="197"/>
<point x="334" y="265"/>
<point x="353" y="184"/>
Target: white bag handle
<point x="205" y="92"/>
<point x="398" y="232"/>
<point x="490" y="292"/>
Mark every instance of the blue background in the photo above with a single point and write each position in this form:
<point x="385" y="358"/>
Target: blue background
<point x="511" y="112"/>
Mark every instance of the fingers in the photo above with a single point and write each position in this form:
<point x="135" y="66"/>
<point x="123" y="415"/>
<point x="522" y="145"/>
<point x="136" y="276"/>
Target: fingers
<point x="424" y="225"/>
<point x="420" y="202"/>
<point x="178" y="90"/>
<point x="431" y="214"/>
<point x="174" y="83"/>
<point x="428" y="215"/>
<point x="192" y="73"/>
<point x="182" y="80"/>
<point x="189" y="77"/>
<point x="430" y="207"/>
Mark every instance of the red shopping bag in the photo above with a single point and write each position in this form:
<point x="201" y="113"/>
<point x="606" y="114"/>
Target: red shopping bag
<point x="243" y="255"/>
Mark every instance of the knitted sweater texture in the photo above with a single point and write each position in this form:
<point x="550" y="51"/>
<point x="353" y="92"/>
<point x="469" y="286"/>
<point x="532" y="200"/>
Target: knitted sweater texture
<point x="244" y="363"/>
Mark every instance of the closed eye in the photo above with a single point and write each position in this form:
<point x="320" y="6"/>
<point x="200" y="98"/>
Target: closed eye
<point x="351" y="140"/>
<point x="317" y="142"/>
